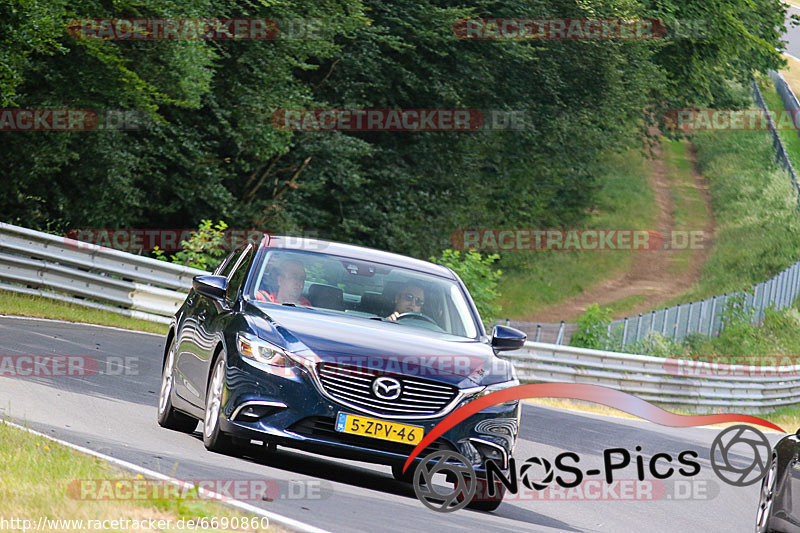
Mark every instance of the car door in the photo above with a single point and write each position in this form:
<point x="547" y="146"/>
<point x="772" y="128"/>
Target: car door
<point x="189" y="368"/>
<point x="214" y="318"/>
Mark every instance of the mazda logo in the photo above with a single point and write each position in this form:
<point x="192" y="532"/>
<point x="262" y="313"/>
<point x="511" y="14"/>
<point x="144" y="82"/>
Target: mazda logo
<point x="386" y="388"/>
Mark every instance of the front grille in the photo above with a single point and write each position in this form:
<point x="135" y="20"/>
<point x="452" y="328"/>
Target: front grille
<point x="324" y="428"/>
<point x="353" y="385"/>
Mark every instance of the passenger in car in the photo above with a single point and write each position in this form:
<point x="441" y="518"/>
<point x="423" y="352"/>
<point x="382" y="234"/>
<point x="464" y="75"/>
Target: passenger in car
<point x="409" y="299"/>
<point x="291" y="280"/>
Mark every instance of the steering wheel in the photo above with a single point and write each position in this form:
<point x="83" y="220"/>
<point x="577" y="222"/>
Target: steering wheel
<point x="417" y="315"/>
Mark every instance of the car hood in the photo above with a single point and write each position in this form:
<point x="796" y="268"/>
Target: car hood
<point x="384" y="346"/>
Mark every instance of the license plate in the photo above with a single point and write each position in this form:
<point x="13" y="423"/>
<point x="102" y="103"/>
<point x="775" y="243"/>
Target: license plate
<point x="379" y="429"/>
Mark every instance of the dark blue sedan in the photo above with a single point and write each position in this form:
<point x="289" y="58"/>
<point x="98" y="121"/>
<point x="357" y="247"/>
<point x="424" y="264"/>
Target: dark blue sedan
<point x="336" y="349"/>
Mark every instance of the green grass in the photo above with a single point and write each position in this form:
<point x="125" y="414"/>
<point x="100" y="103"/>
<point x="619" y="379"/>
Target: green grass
<point x="623" y="304"/>
<point x="778" y="335"/>
<point x="37" y="306"/>
<point x="539" y="279"/>
<point x="689" y="210"/>
<point x="755" y="212"/>
<point x="791" y="140"/>
<point x="41" y="479"/>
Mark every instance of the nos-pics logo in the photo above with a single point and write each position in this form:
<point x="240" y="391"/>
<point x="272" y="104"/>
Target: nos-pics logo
<point x="739" y="456"/>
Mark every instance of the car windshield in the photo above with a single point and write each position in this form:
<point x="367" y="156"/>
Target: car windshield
<point x="363" y="289"/>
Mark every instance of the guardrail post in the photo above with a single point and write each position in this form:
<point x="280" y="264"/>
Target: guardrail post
<point x="560" y="333"/>
<point x="638" y="327"/>
<point x="625" y="331"/>
<point x="762" y="300"/>
<point x="702" y="315"/>
<point x="538" y="332"/>
<point x="713" y="315"/>
<point x="771" y="298"/>
<point x="724" y="305"/>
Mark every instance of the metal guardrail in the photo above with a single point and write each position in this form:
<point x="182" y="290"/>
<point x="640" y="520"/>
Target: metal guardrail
<point x="789" y="102"/>
<point x="705" y="316"/>
<point x="682" y="384"/>
<point x="33" y="262"/>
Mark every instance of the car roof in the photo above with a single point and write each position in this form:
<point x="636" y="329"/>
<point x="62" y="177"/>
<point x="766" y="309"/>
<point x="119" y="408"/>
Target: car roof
<point x="355" y="252"/>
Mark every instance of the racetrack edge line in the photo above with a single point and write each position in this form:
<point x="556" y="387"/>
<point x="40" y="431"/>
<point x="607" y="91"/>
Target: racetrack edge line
<point x="22" y="317"/>
<point x="280" y="519"/>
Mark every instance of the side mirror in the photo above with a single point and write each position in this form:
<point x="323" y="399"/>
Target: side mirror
<point x="213" y="287"/>
<point x="506" y="338"/>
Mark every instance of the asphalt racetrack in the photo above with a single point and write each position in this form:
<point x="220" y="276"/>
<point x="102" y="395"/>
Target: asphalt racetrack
<point x="113" y="411"/>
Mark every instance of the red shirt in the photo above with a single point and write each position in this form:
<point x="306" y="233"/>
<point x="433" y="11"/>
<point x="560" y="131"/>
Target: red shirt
<point x="264" y="296"/>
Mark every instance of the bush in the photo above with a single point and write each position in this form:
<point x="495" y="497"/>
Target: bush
<point x="477" y="274"/>
<point x="205" y="249"/>
<point x="592" y="329"/>
<point x="657" y="345"/>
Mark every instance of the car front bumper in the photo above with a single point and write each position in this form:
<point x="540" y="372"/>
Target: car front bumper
<point x="288" y="409"/>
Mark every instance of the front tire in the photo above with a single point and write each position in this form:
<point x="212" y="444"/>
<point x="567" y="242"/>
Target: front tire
<point x="403" y="477"/>
<point x="168" y="417"/>
<point x="213" y="437"/>
<point x="482" y="501"/>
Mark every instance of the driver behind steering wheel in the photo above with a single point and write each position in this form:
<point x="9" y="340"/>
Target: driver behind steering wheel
<point x="409" y="299"/>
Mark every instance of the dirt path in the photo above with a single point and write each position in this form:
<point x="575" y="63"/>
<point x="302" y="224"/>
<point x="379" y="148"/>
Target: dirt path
<point x="650" y="275"/>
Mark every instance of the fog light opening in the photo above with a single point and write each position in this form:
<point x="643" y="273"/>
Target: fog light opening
<point x="254" y="411"/>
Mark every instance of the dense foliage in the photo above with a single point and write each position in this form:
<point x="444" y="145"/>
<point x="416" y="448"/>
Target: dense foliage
<point x="477" y="274"/>
<point x="210" y="151"/>
<point x="592" y="328"/>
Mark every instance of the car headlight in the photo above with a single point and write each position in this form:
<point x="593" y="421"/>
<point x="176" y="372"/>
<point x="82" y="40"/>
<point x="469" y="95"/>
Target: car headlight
<point x="497" y="387"/>
<point x="255" y="349"/>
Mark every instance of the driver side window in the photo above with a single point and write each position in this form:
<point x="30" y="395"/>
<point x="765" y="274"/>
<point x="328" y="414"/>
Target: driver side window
<point x="224" y="269"/>
<point x="240" y="268"/>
